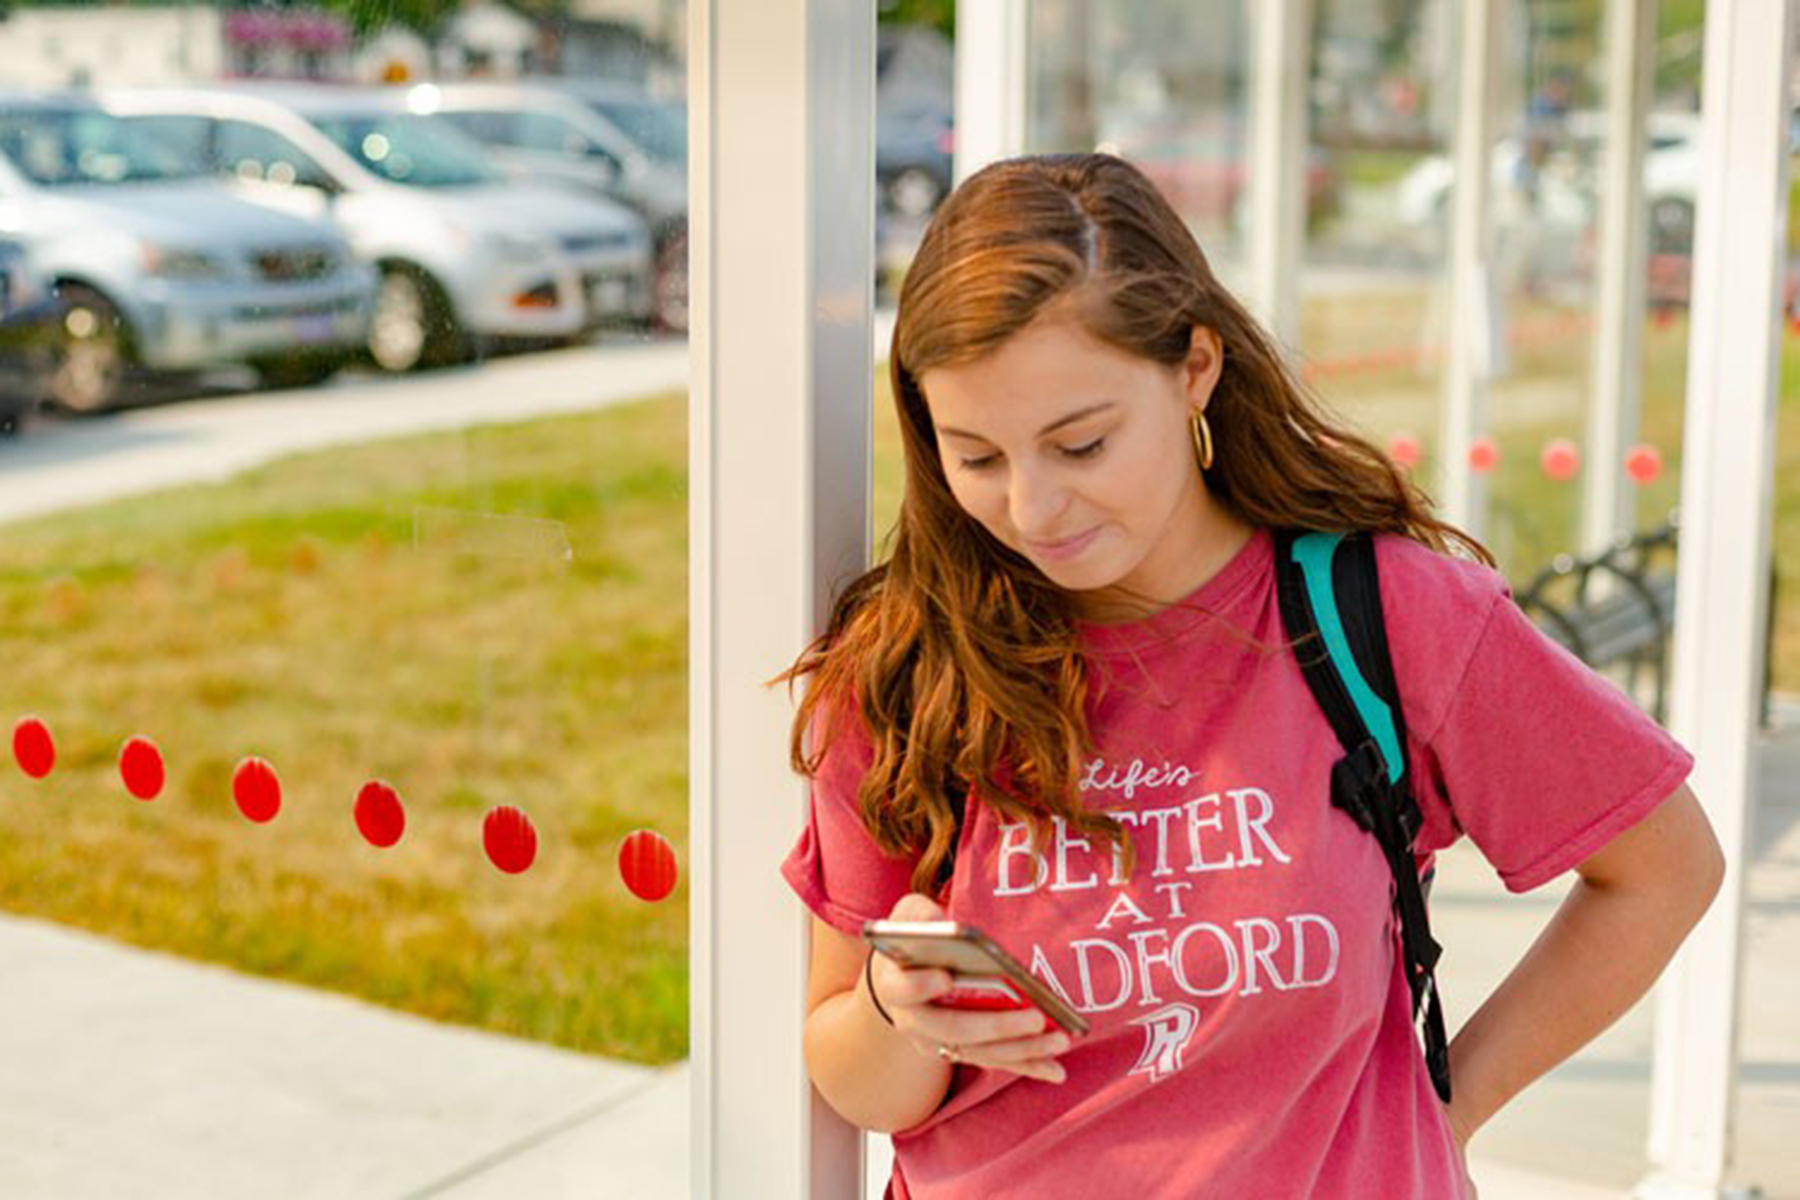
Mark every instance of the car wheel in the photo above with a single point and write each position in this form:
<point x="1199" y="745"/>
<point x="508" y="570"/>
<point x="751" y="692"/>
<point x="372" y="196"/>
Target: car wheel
<point x="297" y="370"/>
<point x="914" y="192"/>
<point x="412" y="325"/>
<point x="92" y="352"/>
<point x="672" y="283"/>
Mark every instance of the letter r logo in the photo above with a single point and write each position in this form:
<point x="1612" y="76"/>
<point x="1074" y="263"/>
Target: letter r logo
<point x="1167" y="1031"/>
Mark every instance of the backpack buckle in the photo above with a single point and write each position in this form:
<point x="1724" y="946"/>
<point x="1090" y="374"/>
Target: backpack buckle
<point x="1354" y="783"/>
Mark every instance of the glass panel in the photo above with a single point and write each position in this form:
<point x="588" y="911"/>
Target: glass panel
<point x="416" y="151"/>
<point x="494" y="128"/>
<point x="1165" y="84"/>
<point x="1374" y="289"/>
<point x="1544" y="203"/>
<point x="251" y="152"/>
<point x="57" y="147"/>
<point x="343" y="582"/>
<point x="1162" y="84"/>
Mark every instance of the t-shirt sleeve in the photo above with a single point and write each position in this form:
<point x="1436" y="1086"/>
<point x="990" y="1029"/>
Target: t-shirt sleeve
<point x="1536" y="757"/>
<point x="835" y="867"/>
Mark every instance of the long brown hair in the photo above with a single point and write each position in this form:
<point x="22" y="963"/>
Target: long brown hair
<point x="959" y="657"/>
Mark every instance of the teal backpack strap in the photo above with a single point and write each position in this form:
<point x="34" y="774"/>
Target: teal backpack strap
<point x="1330" y="597"/>
<point x="1314" y="552"/>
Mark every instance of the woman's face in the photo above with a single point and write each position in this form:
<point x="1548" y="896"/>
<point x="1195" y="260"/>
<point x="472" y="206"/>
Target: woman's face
<point x="1079" y="456"/>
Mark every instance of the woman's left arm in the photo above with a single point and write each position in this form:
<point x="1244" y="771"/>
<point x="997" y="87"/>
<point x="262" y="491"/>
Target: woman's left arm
<point x="1636" y="900"/>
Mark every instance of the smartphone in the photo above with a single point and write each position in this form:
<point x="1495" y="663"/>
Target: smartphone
<point x="985" y="976"/>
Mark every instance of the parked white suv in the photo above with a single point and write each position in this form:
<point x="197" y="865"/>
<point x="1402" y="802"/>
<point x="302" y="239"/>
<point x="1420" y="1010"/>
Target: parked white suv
<point x="465" y="255"/>
<point x="552" y="136"/>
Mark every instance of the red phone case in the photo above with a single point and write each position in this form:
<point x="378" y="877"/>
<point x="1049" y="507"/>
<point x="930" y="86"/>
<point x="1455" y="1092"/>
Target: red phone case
<point x="987" y="993"/>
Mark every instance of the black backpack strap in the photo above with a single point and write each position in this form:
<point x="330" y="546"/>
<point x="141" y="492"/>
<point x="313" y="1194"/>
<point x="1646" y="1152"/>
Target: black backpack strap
<point x="1330" y="597"/>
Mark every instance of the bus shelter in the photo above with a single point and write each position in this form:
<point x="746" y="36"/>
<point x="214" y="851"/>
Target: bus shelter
<point x="782" y="103"/>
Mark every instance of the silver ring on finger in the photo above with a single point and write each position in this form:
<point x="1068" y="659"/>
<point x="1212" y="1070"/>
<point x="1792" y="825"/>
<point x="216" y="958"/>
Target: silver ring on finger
<point x="949" y="1053"/>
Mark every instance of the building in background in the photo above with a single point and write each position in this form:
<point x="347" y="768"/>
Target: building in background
<point x="115" y="46"/>
<point x="76" y="47"/>
<point x="638" y="42"/>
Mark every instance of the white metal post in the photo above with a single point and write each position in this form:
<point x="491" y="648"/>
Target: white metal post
<point x="1722" y="593"/>
<point x="782" y="103"/>
<point x="1282" y="30"/>
<point x="1608" y="507"/>
<point x="1462" y="493"/>
<point x="990" y="83"/>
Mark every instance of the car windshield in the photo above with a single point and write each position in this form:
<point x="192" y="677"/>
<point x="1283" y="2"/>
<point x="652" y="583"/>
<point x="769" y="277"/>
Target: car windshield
<point x="410" y="149"/>
<point x="78" y="146"/>
<point x="660" y="130"/>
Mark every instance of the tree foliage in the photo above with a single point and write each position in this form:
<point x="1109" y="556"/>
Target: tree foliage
<point x="939" y="14"/>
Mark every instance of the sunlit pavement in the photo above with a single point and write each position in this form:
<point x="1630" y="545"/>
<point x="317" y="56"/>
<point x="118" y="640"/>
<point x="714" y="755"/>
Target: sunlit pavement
<point x="57" y="464"/>
<point x="137" y="1074"/>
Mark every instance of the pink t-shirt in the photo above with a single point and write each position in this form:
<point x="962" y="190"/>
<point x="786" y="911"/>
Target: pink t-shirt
<point x="1251" y="1023"/>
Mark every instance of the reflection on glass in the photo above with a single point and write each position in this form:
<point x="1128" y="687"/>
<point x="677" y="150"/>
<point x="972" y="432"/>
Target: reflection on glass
<point x="372" y="686"/>
<point x="414" y="150"/>
<point x="659" y="129"/>
<point x="67" y="147"/>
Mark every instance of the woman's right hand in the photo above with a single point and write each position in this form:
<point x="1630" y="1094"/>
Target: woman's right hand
<point x="1021" y="1041"/>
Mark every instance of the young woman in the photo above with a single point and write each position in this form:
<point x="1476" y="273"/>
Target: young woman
<point x="1076" y="638"/>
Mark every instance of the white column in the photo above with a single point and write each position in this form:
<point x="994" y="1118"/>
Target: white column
<point x="1282" y="33"/>
<point x="782" y="117"/>
<point x="990" y="83"/>
<point x="1461" y="493"/>
<point x="1721" y="597"/>
<point x="1608" y="503"/>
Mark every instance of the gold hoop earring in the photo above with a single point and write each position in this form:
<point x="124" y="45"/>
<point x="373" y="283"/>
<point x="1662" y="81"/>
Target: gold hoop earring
<point x="1203" y="446"/>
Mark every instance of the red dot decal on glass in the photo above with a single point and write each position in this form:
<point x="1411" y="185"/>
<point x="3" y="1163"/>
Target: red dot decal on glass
<point x="1484" y="455"/>
<point x="1561" y="460"/>
<point x="379" y="815"/>
<point x="33" y="747"/>
<point x="141" y="767"/>
<point x="1404" y="449"/>
<point x="509" y="838"/>
<point x="1643" y="464"/>
<point x="257" y="790"/>
<point x="648" y="865"/>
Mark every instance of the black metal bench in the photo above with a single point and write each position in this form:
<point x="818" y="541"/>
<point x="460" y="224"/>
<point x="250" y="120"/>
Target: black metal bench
<point x="1615" y="610"/>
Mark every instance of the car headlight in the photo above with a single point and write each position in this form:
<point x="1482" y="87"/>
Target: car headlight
<point x="519" y="247"/>
<point x="175" y="262"/>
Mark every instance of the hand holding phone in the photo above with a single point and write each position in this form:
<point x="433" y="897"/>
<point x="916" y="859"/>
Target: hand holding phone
<point x="984" y="976"/>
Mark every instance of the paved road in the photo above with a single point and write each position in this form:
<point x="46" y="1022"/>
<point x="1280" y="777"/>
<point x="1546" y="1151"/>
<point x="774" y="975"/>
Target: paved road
<point x="57" y="464"/>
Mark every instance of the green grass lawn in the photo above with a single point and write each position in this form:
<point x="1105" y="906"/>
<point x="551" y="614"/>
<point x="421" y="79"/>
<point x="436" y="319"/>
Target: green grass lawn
<point x="362" y="613"/>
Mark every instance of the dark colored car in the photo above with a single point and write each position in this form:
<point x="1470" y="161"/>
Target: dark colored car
<point x="28" y="328"/>
<point x="914" y="147"/>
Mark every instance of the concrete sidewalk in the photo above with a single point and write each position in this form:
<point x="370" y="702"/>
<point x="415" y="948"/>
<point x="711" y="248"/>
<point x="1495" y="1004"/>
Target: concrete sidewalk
<point x="71" y="463"/>
<point x="135" y="1074"/>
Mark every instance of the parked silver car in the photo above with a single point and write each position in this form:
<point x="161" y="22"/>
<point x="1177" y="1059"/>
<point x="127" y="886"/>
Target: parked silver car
<point x="156" y="272"/>
<point x="465" y="255"/>
<point x="541" y="132"/>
